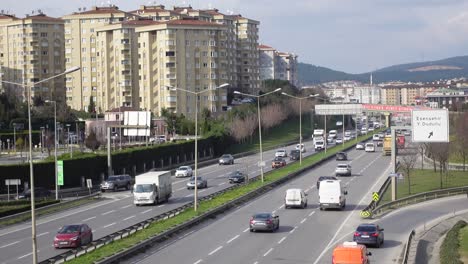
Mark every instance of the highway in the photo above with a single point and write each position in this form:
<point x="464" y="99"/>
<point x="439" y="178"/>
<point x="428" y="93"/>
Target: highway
<point x="117" y="211"/>
<point x="303" y="235"/>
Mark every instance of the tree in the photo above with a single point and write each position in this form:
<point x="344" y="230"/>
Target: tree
<point x="91" y="106"/>
<point x="441" y="154"/>
<point x="20" y="145"/>
<point x="407" y="162"/>
<point x="91" y="141"/>
<point x="421" y="149"/>
<point x="462" y="137"/>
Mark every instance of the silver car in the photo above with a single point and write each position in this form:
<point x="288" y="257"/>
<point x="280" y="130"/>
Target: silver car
<point x="226" y="159"/>
<point x="184" y="171"/>
<point x="264" y="221"/>
<point x="343" y="170"/>
<point x="201" y="183"/>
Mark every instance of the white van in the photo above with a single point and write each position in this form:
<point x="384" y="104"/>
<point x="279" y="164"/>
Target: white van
<point x="332" y="194"/>
<point x="295" y="198"/>
<point x="332" y="134"/>
<point x="319" y="145"/>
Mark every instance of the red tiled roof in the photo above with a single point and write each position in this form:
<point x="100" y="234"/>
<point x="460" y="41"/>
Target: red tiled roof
<point x="5" y="16"/>
<point x="101" y="10"/>
<point x="261" y="46"/>
<point x="142" y="22"/>
<point x="191" y="22"/>
<point x="44" y="18"/>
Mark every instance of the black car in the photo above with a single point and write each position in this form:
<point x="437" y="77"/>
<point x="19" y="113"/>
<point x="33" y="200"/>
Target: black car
<point x="324" y="178"/>
<point x="236" y="177"/>
<point x="369" y="234"/>
<point x="294" y="154"/>
<point x="39" y="192"/>
<point x="264" y="221"/>
<point x="341" y="156"/>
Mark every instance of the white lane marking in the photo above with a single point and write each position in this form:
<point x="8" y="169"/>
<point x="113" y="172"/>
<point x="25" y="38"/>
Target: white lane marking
<point x="42" y="234"/>
<point x="311" y="213"/>
<point x="123" y="207"/>
<point x="281" y="240"/>
<point x="11" y="244"/>
<point x="303" y="220"/>
<point x="216" y="250"/>
<point x="349" y="216"/>
<point x="162" y="205"/>
<point x="106" y="213"/>
<point x="198" y="261"/>
<point x="294" y="229"/>
<point x="232" y="239"/>
<point x="202" y="191"/>
<point x="130" y="217"/>
<point x="87" y="219"/>
<point x="281" y="206"/>
<point x="29" y="254"/>
<point x="181" y="188"/>
<point x="247" y="229"/>
<point x="178" y="181"/>
<point x="307" y="190"/>
<point x="256" y="262"/>
<point x="144" y="212"/>
<point x="109" y="225"/>
<point x="274" y="212"/>
<point x="268" y="252"/>
<point x="221" y="183"/>
<point x="188" y="195"/>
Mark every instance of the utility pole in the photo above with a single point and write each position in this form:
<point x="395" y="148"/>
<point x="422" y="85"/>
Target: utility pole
<point x="109" y="159"/>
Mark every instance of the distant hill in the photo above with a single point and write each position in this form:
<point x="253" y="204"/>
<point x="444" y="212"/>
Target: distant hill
<point x="419" y="71"/>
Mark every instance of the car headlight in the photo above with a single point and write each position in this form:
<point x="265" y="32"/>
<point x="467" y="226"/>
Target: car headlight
<point x="74" y="238"/>
<point x="56" y="239"/>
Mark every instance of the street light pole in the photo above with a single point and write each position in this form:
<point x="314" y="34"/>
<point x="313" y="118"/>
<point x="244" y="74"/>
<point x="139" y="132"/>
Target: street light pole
<point x="195" y="189"/>
<point x="31" y="170"/>
<point x="55" y="148"/>
<point x="259" y="124"/>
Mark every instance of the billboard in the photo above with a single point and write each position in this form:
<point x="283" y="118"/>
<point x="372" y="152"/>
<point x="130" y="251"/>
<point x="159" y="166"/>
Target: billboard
<point x="138" y="123"/>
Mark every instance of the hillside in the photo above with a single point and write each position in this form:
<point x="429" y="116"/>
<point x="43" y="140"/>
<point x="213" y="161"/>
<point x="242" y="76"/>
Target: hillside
<point x="419" y="71"/>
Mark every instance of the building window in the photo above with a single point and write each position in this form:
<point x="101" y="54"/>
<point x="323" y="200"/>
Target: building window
<point x="83" y="40"/>
<point x="171" y="99"/>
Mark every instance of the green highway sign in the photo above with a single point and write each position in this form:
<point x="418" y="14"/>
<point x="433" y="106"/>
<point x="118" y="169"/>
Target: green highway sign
<point x="60" y="172"/>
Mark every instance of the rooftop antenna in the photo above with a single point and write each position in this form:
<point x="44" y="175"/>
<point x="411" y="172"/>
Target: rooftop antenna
<point x="84" y="8"/>
<point x="79" y="9"/>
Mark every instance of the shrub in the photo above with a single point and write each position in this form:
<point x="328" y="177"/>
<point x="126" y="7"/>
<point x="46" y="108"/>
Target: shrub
<point x="449" y="249"/>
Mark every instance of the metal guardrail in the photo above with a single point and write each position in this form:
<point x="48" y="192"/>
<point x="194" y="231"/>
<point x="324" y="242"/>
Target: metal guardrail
<point x="421" y="197"/>
<point x="71" y="254"/>
<point x="407" y="247"/>
<point x="368" y="211"/>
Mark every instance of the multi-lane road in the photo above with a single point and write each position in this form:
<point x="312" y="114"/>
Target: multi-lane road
<point x="116" y="211"/>
<point x="304" y="236"/>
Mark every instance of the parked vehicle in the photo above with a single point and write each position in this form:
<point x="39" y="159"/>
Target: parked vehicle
<point x="294" y="154"/>
<point x="281" y="153"/>
<point x="116" y="182"/>
<point x="370" y="147"/>
<point x="369" y="234"/>
<point x="39" y="192"/>
<point x="332" y="194"/>
<point x="301" y="147"/>
<point x="350" y="253"/>
<point x="324" y="178"/>
<point x="343" y="170"/>
<point x="152" y="187"/>
<point x="201" y="183"/>
<point x="73" y="236"/>
<point x="226" y="159"/>
<point x="264" y="221"/>
<point x="184" y="171"/>
<point x="341" y="156"/>
<point x="236" y="177"/>
<point x="295" y="198"/>
<point x="278" y="162"/>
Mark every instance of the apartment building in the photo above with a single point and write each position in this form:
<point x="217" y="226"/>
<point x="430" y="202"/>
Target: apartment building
<point x="31" y="49"/>
<point x="81" y="49"/>
<point x="277" y="65"/>
<point x="406" y="94"/>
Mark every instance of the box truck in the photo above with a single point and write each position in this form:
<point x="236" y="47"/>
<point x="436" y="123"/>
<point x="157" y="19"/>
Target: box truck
<point x="332" y="194"/>
<point x="152" y="187"/>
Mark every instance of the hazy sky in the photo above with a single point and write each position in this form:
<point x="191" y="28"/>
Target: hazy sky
<point x="350" y="35"/>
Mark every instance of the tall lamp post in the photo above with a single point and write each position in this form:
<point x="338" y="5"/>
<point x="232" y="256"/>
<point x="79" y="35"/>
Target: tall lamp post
<point x="31" y="173"/>
<point x="55" y="147"/>
<point x="259" y="124"/>
<point x="300" y="119"/>
<point x="195" y="189"/>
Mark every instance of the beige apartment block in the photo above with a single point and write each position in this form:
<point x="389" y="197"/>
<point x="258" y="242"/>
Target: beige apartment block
<point x="182" y="54"/>
<point x="248" y="54"/>
<point x="407" y="94"/>
<point x="81" y="49"/>
<point x="277" y="65"/>
<point x="31" y="49"/>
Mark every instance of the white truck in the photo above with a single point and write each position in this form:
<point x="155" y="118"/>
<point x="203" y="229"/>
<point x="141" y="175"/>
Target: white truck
<point x="332" y="194"/>
<point x="318" y="133"/>
<point x="152" y="187"/>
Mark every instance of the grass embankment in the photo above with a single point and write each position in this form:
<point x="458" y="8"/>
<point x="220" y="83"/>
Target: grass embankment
<point x="204" y="206"/>
<point x="15" y="207"/>
<point x="449" y="250"/>
<point x="53" y="209"/>
<point x="425" y="181"/>
<point x="463" y="249"/>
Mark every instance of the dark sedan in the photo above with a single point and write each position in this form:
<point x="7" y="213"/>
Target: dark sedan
<point x="278" y="162"/>
<point x="324" y="178"/>
<point x="294" y="154"/>
<point x="264" y="221"/>
<point x="73" y="236"/>
<point x="369" y="234"/>
<point x="237" y="177"/>
<point x="39" y="192"/>
<point x="226" y="159"/>
<point x="341" y="156"/>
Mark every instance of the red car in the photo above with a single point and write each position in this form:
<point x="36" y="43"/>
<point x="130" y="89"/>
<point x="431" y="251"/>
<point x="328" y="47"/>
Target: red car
<point x="73" y="236"/>
<point x="278" y="162"/>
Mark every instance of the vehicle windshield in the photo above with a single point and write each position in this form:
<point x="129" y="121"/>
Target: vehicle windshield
<point x="366" y="228"/>
<point x="112" y="178"/>
<point x="143" y="188"/>
<point x="183" y="168"/>
<point x="342" y="166"/>
<point x="261" y="216"/>
<point x="69" y="229"/>
<point x="225" y="156"/>
<point x="198" y="179"/>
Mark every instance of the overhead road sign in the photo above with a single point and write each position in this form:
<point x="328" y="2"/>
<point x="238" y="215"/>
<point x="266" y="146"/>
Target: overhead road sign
<point x="430" y="125"/>
<point x="338" y="109"/>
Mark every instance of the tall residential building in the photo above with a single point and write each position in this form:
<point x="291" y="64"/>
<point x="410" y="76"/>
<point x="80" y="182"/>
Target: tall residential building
<point x="277" y="65"/>
<point x="181" y="54"/>
<point x="406" y="94"/>
<point x="247" y="54"/>
<point x="31" y="49"/>
<point x="81" y="49"/>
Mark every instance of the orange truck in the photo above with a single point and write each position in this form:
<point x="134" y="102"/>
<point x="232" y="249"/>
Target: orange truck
<point x="350" y="253"/>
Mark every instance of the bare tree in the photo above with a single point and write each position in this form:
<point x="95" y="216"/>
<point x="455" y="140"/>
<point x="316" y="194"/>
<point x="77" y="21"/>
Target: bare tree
<point x="237" y="129"/>
<point x="431" y="151"/>
<point x="421" y="150"/>
<point x="92" y="142"/>
<point x="462" y="137"/>
<point x="407" y="162"/>
<point x="441" y="152"/>
<point x="251" y="125"/>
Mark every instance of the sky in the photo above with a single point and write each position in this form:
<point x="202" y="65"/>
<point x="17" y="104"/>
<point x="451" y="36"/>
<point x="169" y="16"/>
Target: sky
<point x="354" y="36"/>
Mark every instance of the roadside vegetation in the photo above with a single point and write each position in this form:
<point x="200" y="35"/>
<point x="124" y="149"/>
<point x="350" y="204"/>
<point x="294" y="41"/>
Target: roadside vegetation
<point x="449" y="251"/>
<point x="463" y="249"/>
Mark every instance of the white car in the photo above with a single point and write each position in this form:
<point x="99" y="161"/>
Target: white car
<point x="360" y="146"/>
<point x="184" y="171"/>
<point x="330" y="139"/>
<point x="347" y="138"/>
<point x="301" y="147"/>
<point x="376" y="137"/>
<point x="332" y="134"/>
<point x="339" y="141"/>
<point x="370" y="147"/>
<point x="370" y="129"/>
<point x="363" y="131"/>
<point x="281" y="153"/>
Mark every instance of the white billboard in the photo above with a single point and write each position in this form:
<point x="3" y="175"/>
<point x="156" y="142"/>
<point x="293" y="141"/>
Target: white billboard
<point x="430" y="125"/>
<point x="338" y="109"/>
<point x="140" y="119"/>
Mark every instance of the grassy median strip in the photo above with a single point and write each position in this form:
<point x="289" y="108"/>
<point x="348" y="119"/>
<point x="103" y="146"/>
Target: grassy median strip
<point x="449" y="249"/>
<point x="53" y="209"/>
<point x="204" y="206"/>
<point x="463" y="250"/>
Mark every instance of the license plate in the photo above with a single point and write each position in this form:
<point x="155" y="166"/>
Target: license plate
<point x="259" y="223"/>
<point x="63" y="243"/>
<point x="365" y="236"/>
